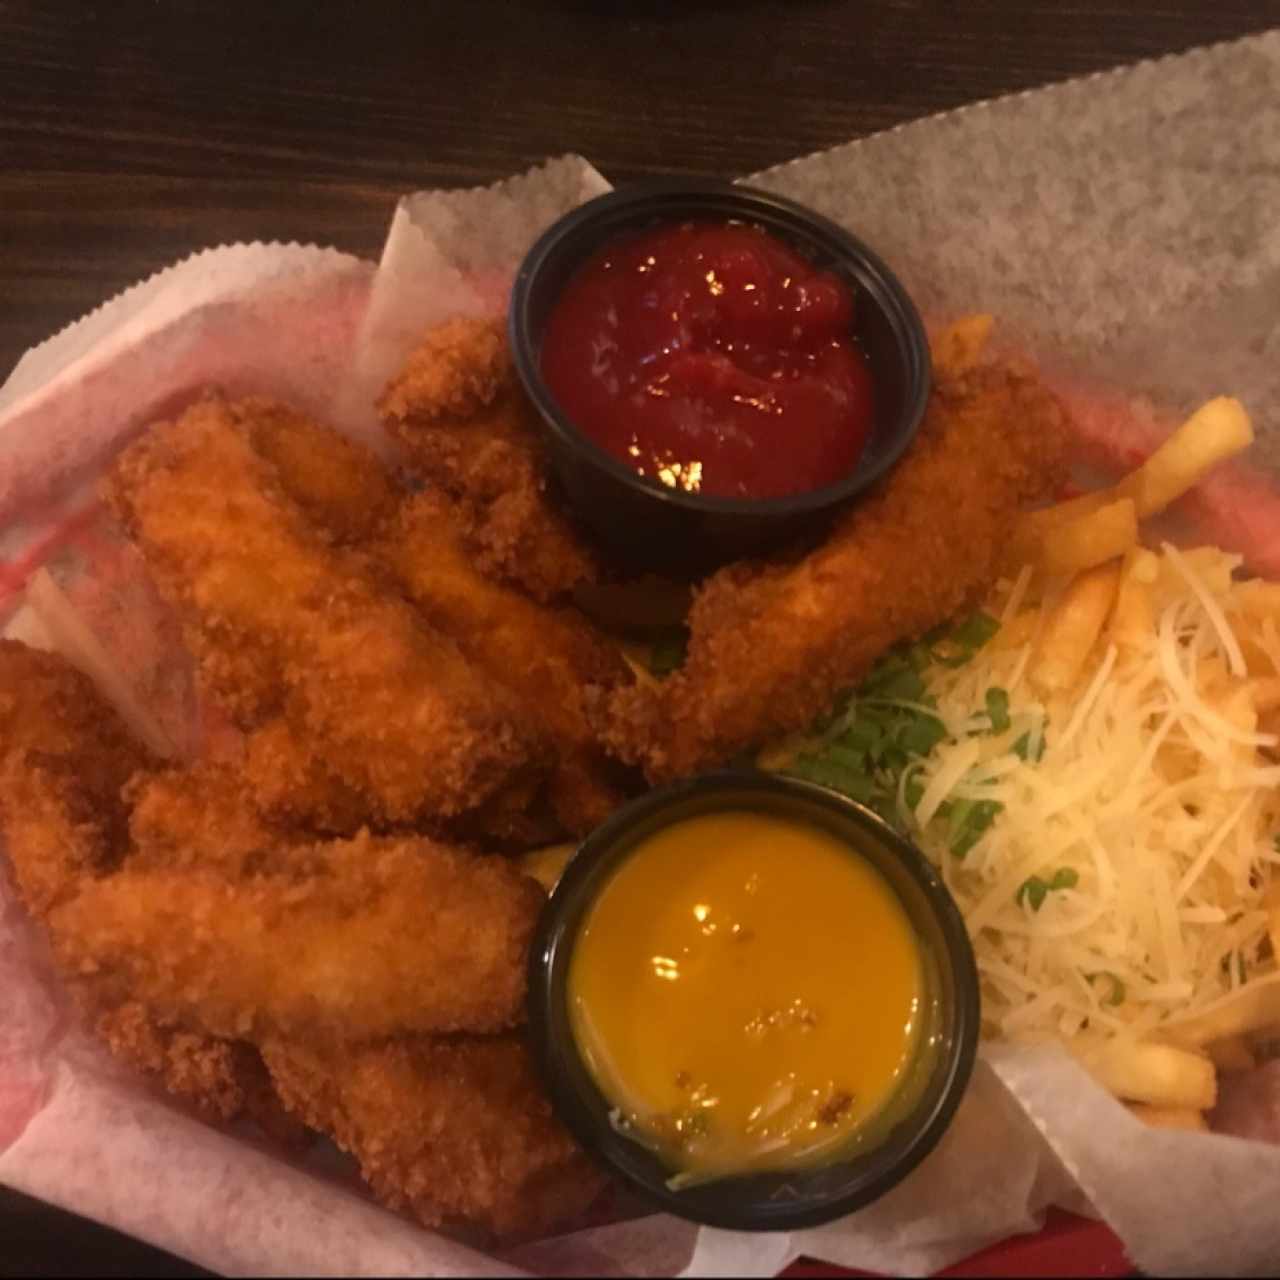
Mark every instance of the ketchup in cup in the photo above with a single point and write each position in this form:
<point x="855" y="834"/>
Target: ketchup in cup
<point x="714" y="359"/>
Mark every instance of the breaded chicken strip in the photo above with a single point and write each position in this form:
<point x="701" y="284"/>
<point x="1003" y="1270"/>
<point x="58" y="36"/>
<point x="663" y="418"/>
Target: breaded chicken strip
<point x="351" y="939"/>
<point x="282" y="622"/>
<point x="64" y="759"/>
<point x="338" y="484"/>
<point x="293" y="786"/>
<point x="447" y="1129"/>
<point x="223" y="1078"/>
<point x="467" y="428"/>
<point x="772" y="643"/>
<point x="203" y="818"/>
<point x="550" y="657"/>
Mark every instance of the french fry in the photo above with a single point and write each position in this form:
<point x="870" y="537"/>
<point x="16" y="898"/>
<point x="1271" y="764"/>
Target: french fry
<point x="1072" y="628"/>
<point x="1213" y="569"/>
<point x="1133" y="622"/>
<point x="1231" y="1053"/>
<point x="1157" y="1074"/>
<point x="1169" y="1117"/>
<point x="1218" y="430"/>
<point x="546" y="865"/>
<point x="1264" y="692"/>
<point x="1102" y="535"/>
<point x="1251" y="1008"/>
<point x="1019" y="630"/>
<point x="1257" y="599"/>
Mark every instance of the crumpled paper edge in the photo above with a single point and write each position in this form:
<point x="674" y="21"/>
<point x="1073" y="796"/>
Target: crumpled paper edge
<point x="1194" y="53"/>
<point x="397" y="317"/>
<point x="77" y="339"/>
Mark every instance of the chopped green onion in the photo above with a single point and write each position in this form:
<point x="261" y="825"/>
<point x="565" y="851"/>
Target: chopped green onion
<point x="969" y="822"/>
<point x="851" y="782"/>
<point x="974" y="632"/>
<point x="922" y="734"/>
<point x="998" y="709"/>
<point x="1034" y="890"/>
<point x="879" y="729"/>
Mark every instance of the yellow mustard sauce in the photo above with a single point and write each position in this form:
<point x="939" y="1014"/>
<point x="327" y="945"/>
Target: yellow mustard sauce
<point x="748" y="992"/>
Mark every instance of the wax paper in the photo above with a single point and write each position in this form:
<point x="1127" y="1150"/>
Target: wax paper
<point x="1122" y="227"/>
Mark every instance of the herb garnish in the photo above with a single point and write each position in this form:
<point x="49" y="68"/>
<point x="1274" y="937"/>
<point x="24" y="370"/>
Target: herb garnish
<point x="889" y="722"/>
<point x="1034" y="890"/>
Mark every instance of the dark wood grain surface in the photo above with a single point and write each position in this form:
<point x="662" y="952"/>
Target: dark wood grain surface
<point x="133" y="132"/>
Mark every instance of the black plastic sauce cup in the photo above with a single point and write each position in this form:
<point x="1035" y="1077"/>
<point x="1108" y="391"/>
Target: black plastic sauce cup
<point x="643" y="523"/>
<point x="932" y="1085"/>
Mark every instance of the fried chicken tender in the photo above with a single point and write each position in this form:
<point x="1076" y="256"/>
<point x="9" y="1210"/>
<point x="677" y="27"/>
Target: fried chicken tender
<point x="64" y="756"/>
<point x="458" y="369"/>
<point x="338" y="484"/>
<point x="284" y="623"/>
<point x="548" y="656"/>
<point x="349" y="939"/>
<point x="771" y="643"/>
<point x="203" y="818"/>
<point x="293" y="786"/>
<point x="467" y="428"/>
<point x="447" y="1129"/>
<point x="67" y="765"/>
<point x="223" y="1078"/>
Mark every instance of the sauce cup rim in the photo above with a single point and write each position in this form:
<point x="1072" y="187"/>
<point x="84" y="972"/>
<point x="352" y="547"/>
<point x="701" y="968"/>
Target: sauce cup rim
<point x="656" y="199"/>
<point x="756" y="1201"/>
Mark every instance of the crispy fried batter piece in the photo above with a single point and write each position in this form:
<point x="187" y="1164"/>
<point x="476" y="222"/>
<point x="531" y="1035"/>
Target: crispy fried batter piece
<point x="458" y="369"/>
<point x="467" y="428"/>
<point x="282" y="621"/>
<point x="548" y="656"/>
<point x="447" y="1129"/>
<point x="772" y="643"/>
<point x="349" y="939"/>
<point x="223" y="1078"/>
<point x="66" y="760"/>
<point x="293" y="786"/>
<point x="339" y="485"/>
<point x="203" y="818"/>
<point x="64" y="756"/>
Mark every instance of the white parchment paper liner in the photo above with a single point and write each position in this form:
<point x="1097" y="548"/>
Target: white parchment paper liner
<point x="1122" y="226"/>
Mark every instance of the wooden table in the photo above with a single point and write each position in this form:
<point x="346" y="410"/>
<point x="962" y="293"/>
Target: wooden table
<point x="134" y="132"/>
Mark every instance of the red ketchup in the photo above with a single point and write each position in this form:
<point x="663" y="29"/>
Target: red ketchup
<point x="714" y="359"/>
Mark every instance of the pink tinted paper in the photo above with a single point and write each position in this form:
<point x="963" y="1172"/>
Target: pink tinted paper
<point x="1123" y="228"/>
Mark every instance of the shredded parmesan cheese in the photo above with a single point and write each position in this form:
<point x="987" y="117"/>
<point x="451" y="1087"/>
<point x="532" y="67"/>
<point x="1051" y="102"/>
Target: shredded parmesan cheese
<point x="1121" y="885"/>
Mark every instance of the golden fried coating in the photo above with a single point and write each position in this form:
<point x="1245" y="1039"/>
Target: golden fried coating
<point x="771" y="643"/>
<point x="459" y="368"/>
<point x="548" y="656"/>
<point x="339" y="485"/>
<point x="467" y="428"/>
<point x="281" y="620"/>
<point x="350" y="939"/>
<point x="222" y="1078"/>
<point x="202" y="817"/>
<point x="68" y="768"/>
<point x="447" y="1129"/>
<point x="64" y="756"/>
<point x="294" y="787"/>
